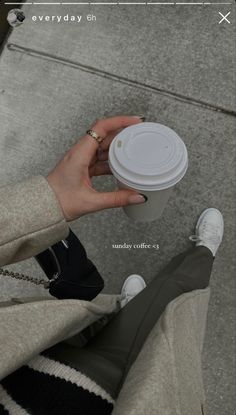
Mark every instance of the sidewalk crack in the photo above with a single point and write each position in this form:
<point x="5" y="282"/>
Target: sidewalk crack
<point x="121" y="79"/>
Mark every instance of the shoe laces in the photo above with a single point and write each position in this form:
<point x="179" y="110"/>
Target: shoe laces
<point x="128" y="296"/>
<point x="208" y="232"/>
<point x="126" y="299"/>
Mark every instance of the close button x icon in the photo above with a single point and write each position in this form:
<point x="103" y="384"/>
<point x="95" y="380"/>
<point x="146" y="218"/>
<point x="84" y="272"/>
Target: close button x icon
<point x="224" y="17"/>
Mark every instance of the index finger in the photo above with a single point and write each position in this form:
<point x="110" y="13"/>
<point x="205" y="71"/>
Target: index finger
<point x="107" y="125"/>
<point x="103" y="128"/>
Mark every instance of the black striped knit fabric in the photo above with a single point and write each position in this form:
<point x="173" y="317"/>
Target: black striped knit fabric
<point x="47" y="387"/>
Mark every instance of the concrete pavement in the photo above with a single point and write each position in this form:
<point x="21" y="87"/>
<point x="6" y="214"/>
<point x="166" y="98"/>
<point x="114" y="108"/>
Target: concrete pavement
<point x="175" y="67"/>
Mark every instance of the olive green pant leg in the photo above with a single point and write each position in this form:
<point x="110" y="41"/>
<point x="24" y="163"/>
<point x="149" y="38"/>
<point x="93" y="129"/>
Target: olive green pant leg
<point x="108" y="356"/>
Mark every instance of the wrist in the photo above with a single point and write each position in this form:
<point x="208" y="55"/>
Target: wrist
<point x="58" y="195"/>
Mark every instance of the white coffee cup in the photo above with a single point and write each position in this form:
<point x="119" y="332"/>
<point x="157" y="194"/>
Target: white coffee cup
<point x="151" y="159"/>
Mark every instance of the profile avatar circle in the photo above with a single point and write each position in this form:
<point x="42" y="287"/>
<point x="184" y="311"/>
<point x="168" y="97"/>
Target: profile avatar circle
<point x="15" y="17"/>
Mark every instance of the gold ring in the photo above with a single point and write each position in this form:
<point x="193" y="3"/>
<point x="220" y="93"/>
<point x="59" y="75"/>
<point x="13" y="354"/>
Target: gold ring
<point x="95" y="136"/>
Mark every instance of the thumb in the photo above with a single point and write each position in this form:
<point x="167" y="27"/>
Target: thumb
<point x="119" y="198"/>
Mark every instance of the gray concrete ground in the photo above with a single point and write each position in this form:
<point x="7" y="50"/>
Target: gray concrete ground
<point x="175" y="65"/>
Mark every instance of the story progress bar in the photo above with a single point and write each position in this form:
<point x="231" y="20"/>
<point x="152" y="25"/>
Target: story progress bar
<point x="120" y="3"/>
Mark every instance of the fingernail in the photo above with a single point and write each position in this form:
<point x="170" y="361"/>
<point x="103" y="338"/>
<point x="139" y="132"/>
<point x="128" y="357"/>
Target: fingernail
<point x="141" y="117"/>
<point x="138" y="198"/>
<point x="145" y="197"/>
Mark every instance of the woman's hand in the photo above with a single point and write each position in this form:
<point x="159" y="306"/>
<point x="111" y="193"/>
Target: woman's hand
<point x="71" y="178"/>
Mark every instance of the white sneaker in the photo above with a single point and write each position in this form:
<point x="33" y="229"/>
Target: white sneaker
<point x="131" y="287"/>
<point x="209" y="230"/>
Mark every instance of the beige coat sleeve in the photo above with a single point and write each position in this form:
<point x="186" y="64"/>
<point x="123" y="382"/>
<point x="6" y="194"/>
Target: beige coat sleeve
<point x="31" y="220"/>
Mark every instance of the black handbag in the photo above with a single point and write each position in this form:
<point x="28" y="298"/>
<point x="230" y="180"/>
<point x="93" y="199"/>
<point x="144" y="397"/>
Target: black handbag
<point x="70" y="273"/>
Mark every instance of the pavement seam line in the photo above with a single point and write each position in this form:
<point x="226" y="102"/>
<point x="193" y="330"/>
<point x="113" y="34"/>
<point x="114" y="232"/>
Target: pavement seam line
<point x="117" y="78"/>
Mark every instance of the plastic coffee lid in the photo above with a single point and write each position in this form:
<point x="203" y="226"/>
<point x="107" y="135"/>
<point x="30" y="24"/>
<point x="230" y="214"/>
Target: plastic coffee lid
<point x="148" y="156"/>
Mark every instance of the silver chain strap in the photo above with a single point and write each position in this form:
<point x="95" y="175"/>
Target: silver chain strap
<point x="23" y="277"/>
